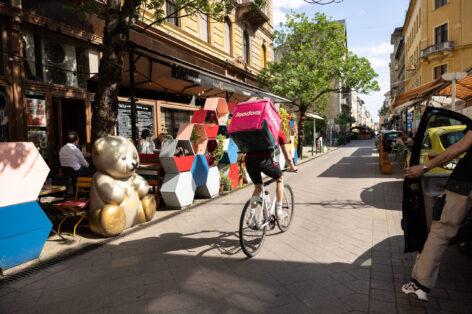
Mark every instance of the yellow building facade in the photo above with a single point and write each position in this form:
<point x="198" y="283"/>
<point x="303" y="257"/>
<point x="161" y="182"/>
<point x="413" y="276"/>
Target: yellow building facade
<point x="237" y="40"/>
<point x="438" y="39"/>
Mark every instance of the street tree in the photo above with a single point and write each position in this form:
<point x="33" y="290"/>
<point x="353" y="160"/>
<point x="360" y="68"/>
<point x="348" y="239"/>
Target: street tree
<point x="314" y="63"/>
<point x="121" y="17"/>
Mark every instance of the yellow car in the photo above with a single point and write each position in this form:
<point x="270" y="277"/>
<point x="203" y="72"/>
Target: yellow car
<point x="436" y="141"/>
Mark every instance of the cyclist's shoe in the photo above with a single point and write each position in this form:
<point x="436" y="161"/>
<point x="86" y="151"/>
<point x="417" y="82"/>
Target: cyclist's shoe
<point x="280" y="213"/>
<point x="412" y="288"/>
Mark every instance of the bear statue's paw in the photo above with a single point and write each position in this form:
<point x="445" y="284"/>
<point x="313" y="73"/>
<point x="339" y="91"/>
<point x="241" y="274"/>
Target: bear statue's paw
<point x="149" y="206"/>
<point x="112" y="220"/>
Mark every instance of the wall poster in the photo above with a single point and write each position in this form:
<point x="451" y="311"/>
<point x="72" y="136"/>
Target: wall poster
<point x="36" y="112"/>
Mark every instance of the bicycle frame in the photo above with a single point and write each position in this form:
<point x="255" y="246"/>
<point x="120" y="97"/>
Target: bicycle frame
<point x="266" y="210"/>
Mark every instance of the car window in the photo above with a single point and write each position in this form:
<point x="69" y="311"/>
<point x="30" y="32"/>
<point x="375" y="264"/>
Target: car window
<point x="427" y="142"/>
<point x="391" y="136"/>
<point x="442" y="132"/>
<point x="449" y="139"/>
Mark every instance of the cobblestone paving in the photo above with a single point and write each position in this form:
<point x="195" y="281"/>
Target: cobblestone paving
<point x="343" y="253"/>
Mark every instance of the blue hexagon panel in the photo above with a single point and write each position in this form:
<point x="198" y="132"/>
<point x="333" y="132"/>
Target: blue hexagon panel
<point x="200" y="170"/>
<point x="24" y="229"/>
<point x="230" y="155"/>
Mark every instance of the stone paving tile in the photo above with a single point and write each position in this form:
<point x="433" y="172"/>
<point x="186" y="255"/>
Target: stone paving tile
<point x="343" y="253"/>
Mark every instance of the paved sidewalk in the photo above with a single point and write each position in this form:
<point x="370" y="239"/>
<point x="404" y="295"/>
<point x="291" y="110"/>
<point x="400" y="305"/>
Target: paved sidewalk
<point x="343" y="253"/>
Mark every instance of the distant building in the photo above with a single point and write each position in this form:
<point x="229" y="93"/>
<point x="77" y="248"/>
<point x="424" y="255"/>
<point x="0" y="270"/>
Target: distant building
<point x="397" y="63"/>
<point x="438" y="39"/>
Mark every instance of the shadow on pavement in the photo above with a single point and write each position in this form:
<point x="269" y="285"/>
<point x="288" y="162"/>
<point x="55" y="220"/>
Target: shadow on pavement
<point x="384" y="195"/>
<point x="185" y="273"/>
<point x="363" y="163"/>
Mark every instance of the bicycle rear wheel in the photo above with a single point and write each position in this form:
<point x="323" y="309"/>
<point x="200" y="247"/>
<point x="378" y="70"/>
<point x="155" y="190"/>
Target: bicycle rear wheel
<point x="251" y="236"/>
<point x="288" y="206"/>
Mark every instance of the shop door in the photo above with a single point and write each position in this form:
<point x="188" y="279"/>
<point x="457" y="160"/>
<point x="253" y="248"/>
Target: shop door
<point x="72" y="119"/>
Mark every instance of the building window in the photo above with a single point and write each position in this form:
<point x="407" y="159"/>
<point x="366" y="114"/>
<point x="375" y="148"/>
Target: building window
<point x="440" y="34"/>
<point x="204" y="27"/>
<point x="172" y="14"/>
<point x="439" y="71"/>
<point x="246" y="47"/>
<point x="439" y="3"/>
<point x="263" y="56"/>
<point x="228" y="36"/>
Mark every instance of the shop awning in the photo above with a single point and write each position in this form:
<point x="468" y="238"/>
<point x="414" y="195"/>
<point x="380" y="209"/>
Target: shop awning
<point x="418" y="93"/>
<point x="157" y="71"/>
<point x="314" y="116"/>
<point x="463" y="89"/>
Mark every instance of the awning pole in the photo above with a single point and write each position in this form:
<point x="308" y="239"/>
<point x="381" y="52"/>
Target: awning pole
<point x="314" y="137"/>
<point x="134" y="135"/>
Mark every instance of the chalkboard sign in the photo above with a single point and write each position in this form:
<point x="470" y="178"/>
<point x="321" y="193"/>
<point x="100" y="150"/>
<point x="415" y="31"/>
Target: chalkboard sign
<point x="144" y="119"/>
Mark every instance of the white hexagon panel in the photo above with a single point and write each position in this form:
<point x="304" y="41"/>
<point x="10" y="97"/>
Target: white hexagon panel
<point x="178" y="190"/>
<point x="211" y="188"/>
<point x="22" y="173"/>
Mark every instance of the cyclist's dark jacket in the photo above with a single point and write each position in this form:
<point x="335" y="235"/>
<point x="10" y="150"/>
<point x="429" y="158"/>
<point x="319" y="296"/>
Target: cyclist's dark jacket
<point x="460" y="180"/>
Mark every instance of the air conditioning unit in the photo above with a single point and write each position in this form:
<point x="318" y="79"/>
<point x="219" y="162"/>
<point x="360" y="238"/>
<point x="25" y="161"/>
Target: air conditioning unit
<point x="59" y="62"/>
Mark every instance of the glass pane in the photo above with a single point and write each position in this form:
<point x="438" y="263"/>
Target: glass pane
<point x="441" y="133"/>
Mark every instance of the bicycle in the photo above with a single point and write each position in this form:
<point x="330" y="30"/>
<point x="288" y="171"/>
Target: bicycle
<point x="253" y="225"/>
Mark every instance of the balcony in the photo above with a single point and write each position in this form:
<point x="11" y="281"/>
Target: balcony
<point x="444" y="47"/>
<point x="248" y="11"/>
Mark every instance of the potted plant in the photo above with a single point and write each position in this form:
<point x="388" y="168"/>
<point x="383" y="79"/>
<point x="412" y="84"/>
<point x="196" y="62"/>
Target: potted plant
<point x="217" y="152"/>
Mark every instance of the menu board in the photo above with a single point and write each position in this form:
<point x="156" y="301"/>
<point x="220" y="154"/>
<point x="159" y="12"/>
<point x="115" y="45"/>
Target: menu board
<point x="36" y="109"/>
<point x="144" y="119"/>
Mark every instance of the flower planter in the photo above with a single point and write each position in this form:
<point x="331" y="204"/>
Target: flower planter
<point x="233" y="174"/>
<point x="176" y="156"/>
<point x="200" y="170"/>
<point x="230" y="152"/>
<point x="220" y="106"/>
<point x="211" y="187"/>
<point x="178" y="190"/>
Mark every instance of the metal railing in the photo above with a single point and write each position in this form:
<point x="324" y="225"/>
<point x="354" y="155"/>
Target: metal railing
<point x="445" y="45"/>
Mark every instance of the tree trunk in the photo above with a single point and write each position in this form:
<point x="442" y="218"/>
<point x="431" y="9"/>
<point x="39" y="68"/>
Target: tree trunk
<point x="301" y="132"/>
<point x="115" y="40"/>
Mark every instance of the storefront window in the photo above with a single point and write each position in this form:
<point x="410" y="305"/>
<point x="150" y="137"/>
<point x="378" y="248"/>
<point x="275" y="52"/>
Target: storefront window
<point x="172" y="119"/>
<point x="37" y="122"/>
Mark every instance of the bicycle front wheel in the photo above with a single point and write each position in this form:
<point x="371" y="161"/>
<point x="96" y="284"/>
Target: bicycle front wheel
<point x="288" y="206"/>
<point x="252" y="229"/>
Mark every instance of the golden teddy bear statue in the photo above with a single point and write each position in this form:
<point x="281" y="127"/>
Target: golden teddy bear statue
<point x="119" y="197"/>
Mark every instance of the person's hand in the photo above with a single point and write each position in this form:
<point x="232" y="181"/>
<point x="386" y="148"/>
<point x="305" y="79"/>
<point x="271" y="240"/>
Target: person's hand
<point x="415" y="171"/>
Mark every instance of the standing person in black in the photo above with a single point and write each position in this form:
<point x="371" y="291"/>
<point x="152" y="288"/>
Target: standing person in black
<point x="455" y="210"/>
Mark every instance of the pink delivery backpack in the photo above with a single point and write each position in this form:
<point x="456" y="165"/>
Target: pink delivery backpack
<point x="255" y="126"/>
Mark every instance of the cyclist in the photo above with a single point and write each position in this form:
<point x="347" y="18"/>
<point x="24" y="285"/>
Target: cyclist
<point x="263" y="162"/>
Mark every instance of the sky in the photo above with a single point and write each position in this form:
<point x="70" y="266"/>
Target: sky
<point x="369" y="26"/>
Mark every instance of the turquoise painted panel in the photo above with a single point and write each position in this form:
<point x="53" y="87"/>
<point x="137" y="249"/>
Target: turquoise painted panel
<point x="231" y="155"/>
<point x="24" y="229"/>
<point x="200" y="170"/>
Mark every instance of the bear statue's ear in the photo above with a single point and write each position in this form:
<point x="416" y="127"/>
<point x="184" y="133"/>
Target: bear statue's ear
<point x="98" y="146"/>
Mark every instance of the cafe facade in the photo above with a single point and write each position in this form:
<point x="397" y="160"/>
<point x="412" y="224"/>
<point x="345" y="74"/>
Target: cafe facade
<point x="49" y="63"/>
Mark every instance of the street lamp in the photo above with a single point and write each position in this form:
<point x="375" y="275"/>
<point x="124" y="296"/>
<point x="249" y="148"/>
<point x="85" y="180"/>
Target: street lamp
<point x="453" y="77"/>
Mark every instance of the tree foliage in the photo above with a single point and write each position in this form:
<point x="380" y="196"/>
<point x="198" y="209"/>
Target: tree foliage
<point x="314" y="62"/>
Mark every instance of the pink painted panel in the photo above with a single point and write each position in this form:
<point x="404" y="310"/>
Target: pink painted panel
<point x="22" y="173"/>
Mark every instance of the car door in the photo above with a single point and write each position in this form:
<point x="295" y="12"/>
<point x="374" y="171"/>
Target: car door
<point x="420" y="194"/>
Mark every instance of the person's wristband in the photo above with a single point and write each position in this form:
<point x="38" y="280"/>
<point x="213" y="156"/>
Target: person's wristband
<point x="425" y="168"/>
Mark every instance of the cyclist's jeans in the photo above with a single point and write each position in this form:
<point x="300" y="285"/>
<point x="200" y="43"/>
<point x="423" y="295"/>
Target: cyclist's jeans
<point x="426" y="268"/>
